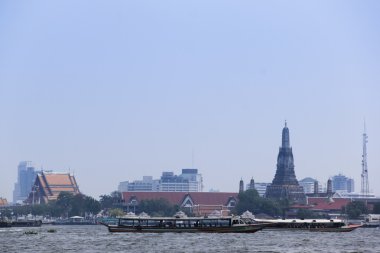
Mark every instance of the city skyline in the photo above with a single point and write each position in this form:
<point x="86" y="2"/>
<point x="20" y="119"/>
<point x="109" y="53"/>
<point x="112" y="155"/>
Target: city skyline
<point x="122" y="90"/>
<point x="211" y="188"/>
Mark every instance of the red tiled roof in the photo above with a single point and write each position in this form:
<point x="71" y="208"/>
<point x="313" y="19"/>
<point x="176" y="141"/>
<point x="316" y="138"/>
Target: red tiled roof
<point x="3" y="202"/>
<point x="58" y="179"/>
<point x="327" y="203"/>
<point x="198" y="198"/>
<point x="50" y="185"/>
<point x="212" y="198"/>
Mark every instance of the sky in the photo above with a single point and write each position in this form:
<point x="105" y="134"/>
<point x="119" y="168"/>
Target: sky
<point x="117" y="90"/>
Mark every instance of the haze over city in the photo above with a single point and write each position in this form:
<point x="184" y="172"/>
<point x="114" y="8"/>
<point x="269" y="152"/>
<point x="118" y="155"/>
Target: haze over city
<point x="120" y="90"/>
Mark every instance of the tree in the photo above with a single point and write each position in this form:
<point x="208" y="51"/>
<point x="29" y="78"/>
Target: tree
<point x="66" y="205"/>
<point x="251" y="201"/>
<point x="91" y="205"/>
<point x="376" y="208"/>
<point x="157" y="207"/>
<point x="116" y="212"/>
<point x="355" y="209"/>
<point x="306" y="214"/>
<point x="110" y="201"/>
<point x="64" y="202"/>
<point x="77" y="205"/>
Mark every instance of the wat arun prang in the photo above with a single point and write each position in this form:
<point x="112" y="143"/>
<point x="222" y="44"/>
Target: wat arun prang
<point x="285" y="184"/>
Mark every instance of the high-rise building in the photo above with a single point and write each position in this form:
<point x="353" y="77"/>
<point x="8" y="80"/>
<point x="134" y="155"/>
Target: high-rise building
<point x="261" y="188"/>
<point x="310" y="185"/>
<point x="147" y="184"/>
<point x="285" y="184"/>
<point x="341" y="183"/>
<point x="189" y="181"/>
<point x="25" y="180"/>
<point x="195" y="179"/>
<point x="350" y="185"/>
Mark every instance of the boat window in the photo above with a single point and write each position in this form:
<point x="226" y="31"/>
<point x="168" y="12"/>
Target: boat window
<point x="224" y="223"/>
<point x="126" y="222"/>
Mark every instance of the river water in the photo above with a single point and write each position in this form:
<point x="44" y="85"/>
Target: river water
<point x="96" y="238"/>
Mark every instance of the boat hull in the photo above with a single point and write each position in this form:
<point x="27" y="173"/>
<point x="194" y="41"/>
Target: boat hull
<point x="348" y="228"/>
<point x="29" y="223"/>
<point x="237" y="229"/>
<point x="5" y="224"/>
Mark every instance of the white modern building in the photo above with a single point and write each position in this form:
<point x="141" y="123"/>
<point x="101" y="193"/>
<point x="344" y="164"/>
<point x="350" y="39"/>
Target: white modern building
<point x="341" y="183"/>
<point x="308" y="185"/>
<point x="261" y="188"/>
<point x="189" y="181"/>
<point x="147" y="184"/>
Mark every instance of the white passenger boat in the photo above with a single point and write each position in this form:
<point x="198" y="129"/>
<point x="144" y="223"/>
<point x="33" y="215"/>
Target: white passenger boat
<point x="232" y="224"/>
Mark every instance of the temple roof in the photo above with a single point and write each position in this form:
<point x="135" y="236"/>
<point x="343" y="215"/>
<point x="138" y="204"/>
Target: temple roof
<point x="319" y="203"/>
<point x="49" y="185"/>
<point x="3" y="202"/>
<point x="198" y="198"/>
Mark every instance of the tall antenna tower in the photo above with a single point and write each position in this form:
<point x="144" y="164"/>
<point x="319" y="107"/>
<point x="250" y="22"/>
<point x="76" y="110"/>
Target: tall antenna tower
<point x="365" y="185"/>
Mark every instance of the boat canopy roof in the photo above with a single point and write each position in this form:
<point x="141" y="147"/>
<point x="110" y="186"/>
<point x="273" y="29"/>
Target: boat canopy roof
<point x="181" y="218"/>
<point x="300" y="220"/>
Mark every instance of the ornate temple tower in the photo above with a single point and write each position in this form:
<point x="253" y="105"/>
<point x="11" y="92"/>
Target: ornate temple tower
<point x="241" y="186"/>
<point x="285" y="184"/>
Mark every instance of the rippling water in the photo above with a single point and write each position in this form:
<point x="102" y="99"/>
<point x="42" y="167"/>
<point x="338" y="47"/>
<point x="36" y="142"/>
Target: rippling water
<point x="98" y="239"/>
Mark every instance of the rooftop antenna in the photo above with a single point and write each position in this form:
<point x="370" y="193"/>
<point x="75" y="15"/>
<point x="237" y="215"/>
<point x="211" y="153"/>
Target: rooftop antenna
<point x="364" y="175"/>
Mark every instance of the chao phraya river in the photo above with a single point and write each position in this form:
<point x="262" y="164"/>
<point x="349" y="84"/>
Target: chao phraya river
<point x="96" y="238"/>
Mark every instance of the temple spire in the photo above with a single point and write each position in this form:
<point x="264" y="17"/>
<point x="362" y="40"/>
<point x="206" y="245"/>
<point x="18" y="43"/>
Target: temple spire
<point x="285" y="137"/>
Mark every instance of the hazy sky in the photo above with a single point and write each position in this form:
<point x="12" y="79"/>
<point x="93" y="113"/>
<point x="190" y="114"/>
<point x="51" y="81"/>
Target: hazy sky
<point x="116" y="90"/>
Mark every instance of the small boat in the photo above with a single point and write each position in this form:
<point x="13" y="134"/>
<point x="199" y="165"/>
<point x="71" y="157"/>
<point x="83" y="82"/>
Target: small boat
<point x="347" y="228"/>
<point x="233" y="224"/>
<point x="370" y="225"/>
<point x="26" y="223"/>
<point x="5" y="224"/>
<point x="303" y="224"/>
<point x="74" y="220"/>
<point x="371" y="221"/>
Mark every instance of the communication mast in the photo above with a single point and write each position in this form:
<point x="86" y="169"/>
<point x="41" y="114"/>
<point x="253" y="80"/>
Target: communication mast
<point x="365" y="185"/>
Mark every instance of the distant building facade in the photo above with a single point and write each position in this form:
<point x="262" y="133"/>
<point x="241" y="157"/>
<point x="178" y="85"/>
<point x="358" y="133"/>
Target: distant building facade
<point x="147" y="184"/>
<point x="341" y="183"/>
<point x="285" y="184"/>
<point x="26" y="174"/>
<point x="189" y="181"/>
<point x="261" y="188"/>
<point x="311" y="185"/>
